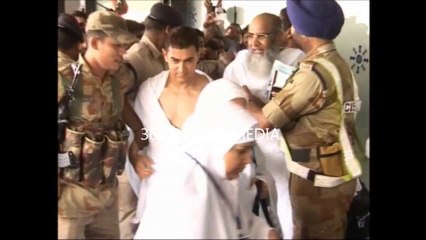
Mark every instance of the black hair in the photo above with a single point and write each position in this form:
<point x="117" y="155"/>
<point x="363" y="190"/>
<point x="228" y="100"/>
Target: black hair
<point x="183" y="37"/>
<point x="285" y="20"/>
<point x="67" y="39"/>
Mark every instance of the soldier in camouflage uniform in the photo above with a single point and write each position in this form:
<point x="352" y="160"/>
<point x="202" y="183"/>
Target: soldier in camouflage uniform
<point x="309" y="114"/>
<point x="87" y="204"/>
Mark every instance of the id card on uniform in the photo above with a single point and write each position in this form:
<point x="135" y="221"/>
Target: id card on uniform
<point x="280" y="73"/>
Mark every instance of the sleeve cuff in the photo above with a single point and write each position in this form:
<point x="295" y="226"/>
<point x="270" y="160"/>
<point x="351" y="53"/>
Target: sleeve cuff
<point x="275" y="115"/>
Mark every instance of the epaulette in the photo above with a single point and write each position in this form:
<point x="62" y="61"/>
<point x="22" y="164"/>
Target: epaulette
<point x="306" y="65"/>
<point x="314" y="68"/>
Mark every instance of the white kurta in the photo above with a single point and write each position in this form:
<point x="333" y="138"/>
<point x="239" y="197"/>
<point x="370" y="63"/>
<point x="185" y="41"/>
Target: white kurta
<point x="270" y="158"/>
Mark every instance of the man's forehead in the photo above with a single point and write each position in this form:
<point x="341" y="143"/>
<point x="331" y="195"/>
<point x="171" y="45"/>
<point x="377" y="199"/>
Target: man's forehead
<point x="259" y="25"/>
<point x="182" y="51"/>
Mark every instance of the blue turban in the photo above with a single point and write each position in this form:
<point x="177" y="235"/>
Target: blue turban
<point x="316" y="18"/>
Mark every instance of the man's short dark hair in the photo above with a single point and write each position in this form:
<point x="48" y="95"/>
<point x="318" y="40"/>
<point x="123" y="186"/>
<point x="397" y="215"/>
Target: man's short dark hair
<point x="285" y="20"/>
<point x="183" y="37"/>
<point x="67" y="39"/>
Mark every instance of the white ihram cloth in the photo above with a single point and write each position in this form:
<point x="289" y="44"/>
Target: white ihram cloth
<point x="183" y="203"/>
<point x="270" y="159"/>
<point x="164" y="141"/>
<point x="291" y="56"/>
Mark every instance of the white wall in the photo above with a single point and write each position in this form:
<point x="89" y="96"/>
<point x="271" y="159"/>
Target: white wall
<point x="138" y="9"/>
<point x="71" y="5"/>
<point x="354" y="45"/>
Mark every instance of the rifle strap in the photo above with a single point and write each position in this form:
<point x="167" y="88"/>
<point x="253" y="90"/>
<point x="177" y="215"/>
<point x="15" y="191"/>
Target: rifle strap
<point x="74" y="88"/>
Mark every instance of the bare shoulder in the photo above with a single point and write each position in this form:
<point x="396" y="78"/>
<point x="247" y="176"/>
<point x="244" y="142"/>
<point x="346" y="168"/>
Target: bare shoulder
<point x="201" y="81"/>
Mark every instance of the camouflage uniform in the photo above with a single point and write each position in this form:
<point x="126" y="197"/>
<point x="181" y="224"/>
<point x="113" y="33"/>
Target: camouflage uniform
<point x="310" y="118"/>
<point x="97" y="107"/>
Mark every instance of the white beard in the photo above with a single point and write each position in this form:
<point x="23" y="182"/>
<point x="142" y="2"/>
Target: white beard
<point x="260" y="65"/>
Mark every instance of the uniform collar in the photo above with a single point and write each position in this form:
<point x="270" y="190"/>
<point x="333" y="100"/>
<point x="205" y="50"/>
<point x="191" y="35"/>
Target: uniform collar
<point x="321" y="50"/>
<point x="64" y="56"/>
<point x="152" y="48"/>
<point x="64" y="60"/>
<point x="86" y="69"/>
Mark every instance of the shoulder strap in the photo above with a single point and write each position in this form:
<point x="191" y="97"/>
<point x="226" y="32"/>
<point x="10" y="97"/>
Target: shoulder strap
<point x="352" y="163"/>
<point x="77" y="71"/>
<point x="117" y="103"/>
<point x="71" y="87"/>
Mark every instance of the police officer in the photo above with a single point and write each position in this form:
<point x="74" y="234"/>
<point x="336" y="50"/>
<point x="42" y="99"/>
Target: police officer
<point x="308" y="110"/>
<point x="88" y="206"/>
<point x="70" y="37"/>
<point x="146" y="56"/>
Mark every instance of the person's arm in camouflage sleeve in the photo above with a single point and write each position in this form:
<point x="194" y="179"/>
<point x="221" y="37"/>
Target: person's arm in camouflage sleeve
<point x="303" y="94"/>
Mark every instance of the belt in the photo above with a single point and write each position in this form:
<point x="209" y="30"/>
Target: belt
<point x="302" y="155"/>
<point x="318" y="178"/>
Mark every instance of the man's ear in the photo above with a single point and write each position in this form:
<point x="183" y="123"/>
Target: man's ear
<point x="168" y="30"/>
<point x="94" y="42"/>
<point x="288" y="33"/>
<point x="165" y="53"/>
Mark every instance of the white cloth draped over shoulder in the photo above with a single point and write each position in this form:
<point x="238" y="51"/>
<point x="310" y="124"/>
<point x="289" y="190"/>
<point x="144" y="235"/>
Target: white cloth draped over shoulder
<point x="291" y="56"/>
<point x="163" y="138"/>
<point x="179" y="200"/>
<point x="271" y="166"/>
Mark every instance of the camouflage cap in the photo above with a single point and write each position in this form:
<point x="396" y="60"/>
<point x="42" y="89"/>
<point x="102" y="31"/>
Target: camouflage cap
<point x="111" y="24"/>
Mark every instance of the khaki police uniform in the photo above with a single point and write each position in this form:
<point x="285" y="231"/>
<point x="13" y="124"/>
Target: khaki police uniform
<point x="147" y="61"/>
<point x="308" y="112"/>
<point x="84" y="207"/>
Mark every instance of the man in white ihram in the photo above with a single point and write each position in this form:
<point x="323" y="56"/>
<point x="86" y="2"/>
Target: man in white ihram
<point x="251" y="69"/>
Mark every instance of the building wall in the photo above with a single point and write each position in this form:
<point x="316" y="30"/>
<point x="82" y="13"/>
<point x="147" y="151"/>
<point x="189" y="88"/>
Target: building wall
<point x="72" y="5"/>
<point x="138" y="9"/>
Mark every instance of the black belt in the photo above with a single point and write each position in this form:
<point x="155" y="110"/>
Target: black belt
<point x="304" y="155"/>
<point x="301" y="155"/>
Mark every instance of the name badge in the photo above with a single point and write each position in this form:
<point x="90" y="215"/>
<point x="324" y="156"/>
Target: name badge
<point x="351" y="106"/>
